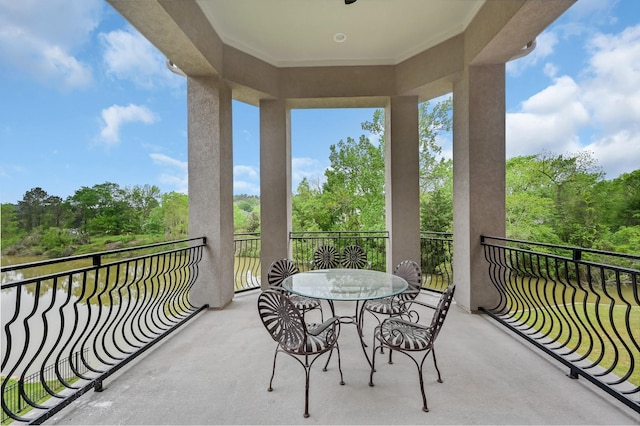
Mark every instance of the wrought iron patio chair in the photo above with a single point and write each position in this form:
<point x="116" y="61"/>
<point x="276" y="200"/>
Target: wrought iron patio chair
<point x="391" y="306"/>
<point x="408" y="337"/>
<point x="281" y="269"/>
<point x="326" y="257"/>
<point x="295" y="337"/>
<point x="354" y="257"/>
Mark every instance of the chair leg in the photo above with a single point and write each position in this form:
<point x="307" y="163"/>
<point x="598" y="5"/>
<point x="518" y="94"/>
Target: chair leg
<point x="435" y="363"/>
<point x="273" y="371"/>
<point x="328" y="359"/>
<point x="306" y="393"/>
<point x="424" y="397"/>
<point x="373" y="364"/>
<point x="339" y="364"/>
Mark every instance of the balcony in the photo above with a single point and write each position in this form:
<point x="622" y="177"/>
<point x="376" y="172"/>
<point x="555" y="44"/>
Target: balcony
<point x="216" y="371"/>
<point x="180" y="364"/>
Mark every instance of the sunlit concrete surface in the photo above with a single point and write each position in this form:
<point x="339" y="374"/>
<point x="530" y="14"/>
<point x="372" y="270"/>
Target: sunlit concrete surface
<point x="216" y="369"/>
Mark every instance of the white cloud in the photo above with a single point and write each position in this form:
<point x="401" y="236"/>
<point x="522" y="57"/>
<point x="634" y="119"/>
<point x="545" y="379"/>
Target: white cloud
<point x="617" y="153"/>
<point x="244" y="187"/>
<point x="548" y="121"/>
<point x="116" y="115"/>
<point x="613" y="88"/>
<point x="246" y="180"/>
<point x="175" y="172"/>
<point x="130" y="56"/>
<point x="245" y="171"/>
<point x="310" y="168"/>
<point x="41" y="38"/>
<point x="603" y="106"/>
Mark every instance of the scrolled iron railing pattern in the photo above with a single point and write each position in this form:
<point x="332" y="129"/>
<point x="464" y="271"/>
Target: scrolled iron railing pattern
<point x="247" y="268"/>
<point x="372" y="243"/>
<point x="436" y="252"/>
<point x="584" y="313"/>
<point x="87" y="323"/>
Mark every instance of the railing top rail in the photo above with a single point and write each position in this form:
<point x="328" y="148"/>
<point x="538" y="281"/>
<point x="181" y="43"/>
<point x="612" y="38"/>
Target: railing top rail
<point x="444" y="234"/>
<point x="95" y="255"/>
<point x="299" y="234"/>
<point x="576" y="252"/>
<point x="66" y="273"/>
<point x="568" y="248"/>
<point x="246" y="234"/>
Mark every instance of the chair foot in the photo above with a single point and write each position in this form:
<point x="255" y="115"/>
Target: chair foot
<point x="425" y="409"/>
<point x="342" y="382"/>
<point x="439" y="380"/>
<point x="270" y="389"/>
<point x="324" y="369"/>
<point x="371" y="384"/>
<point x="306" y="415"/>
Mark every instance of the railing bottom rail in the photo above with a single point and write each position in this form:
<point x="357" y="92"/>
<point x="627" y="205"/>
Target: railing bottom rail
<point x="574" y="370"/>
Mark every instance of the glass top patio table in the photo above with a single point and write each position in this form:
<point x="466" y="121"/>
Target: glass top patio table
<point x="345" y="284"/>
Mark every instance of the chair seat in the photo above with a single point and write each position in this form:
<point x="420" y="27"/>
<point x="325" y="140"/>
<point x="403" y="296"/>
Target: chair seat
<point x="404" y="335"/>
<point x="304" y="303"/>
<point x="384" y="306"/>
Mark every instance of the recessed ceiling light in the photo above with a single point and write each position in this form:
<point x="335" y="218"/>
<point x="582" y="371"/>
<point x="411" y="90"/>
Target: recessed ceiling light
<point x="339" y="37"/>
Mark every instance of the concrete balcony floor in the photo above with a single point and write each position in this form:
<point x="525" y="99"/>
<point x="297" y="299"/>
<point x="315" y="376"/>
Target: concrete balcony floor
<point x="216" y="369"/>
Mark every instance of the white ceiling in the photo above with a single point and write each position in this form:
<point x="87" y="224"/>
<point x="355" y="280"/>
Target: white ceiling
<point x="289" y="33"/>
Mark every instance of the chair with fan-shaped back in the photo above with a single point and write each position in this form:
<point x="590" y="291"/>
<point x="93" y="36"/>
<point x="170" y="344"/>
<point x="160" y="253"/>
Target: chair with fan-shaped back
<point x="411" y="337"/>
<point x="281" y="269"/>
<point x="354" y="257"/>
<point x="300" y="340"/>
<point x="391" y="306"/>
<point x="326" y="257"/>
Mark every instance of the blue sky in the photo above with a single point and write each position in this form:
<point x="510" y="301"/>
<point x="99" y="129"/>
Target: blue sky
<point x="87" y="100"/>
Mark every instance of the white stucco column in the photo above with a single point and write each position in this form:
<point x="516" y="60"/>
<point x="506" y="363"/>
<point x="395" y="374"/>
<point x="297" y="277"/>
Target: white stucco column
<point x="275" y="183"/>
<point x="211" y="187"/>
<point x="479" y="179"/>
<point x="402" y="180"/>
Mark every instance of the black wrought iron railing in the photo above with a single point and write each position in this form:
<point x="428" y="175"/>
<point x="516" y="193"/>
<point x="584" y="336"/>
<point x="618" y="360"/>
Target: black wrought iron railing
<point x="568" y="302"/>
<point x="247" y="266"/>
<point x="436" y="252"/>
<point x="373" y="245"/>
<point x="74" y="328"/>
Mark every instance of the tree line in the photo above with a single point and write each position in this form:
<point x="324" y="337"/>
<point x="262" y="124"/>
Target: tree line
<point x="551" y="198"/>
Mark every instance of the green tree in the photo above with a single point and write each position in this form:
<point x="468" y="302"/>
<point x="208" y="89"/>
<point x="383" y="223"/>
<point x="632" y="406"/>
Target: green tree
<point x="528" y="204"/>
<point x="175" y="213"/>
<point x="9" y="226"/>
<point x="308" y="212"/>
<point x="31" y="209"/>
<point x="355" y="182"/>
<point x="141" y="200"/>
<point x="103" y="209"/>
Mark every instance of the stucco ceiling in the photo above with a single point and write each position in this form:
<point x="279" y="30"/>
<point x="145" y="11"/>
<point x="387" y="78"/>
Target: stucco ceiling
<point x="288" y="33"/>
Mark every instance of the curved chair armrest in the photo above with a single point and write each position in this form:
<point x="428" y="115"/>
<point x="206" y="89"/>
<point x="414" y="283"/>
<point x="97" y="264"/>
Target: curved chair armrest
<point x="322" y="327"/>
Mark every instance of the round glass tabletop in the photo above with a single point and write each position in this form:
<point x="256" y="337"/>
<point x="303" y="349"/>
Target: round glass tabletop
<point x="345" y="284"/>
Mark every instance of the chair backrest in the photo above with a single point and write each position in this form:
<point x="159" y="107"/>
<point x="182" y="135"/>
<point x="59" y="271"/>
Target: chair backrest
<point x="282" y="319"/>
<point x="411" y="272"/>
<point x="279" y="270"/>
<point x="326" y="257"/>
<point x="441" y="311"/>
<point x="354" y="257"/>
